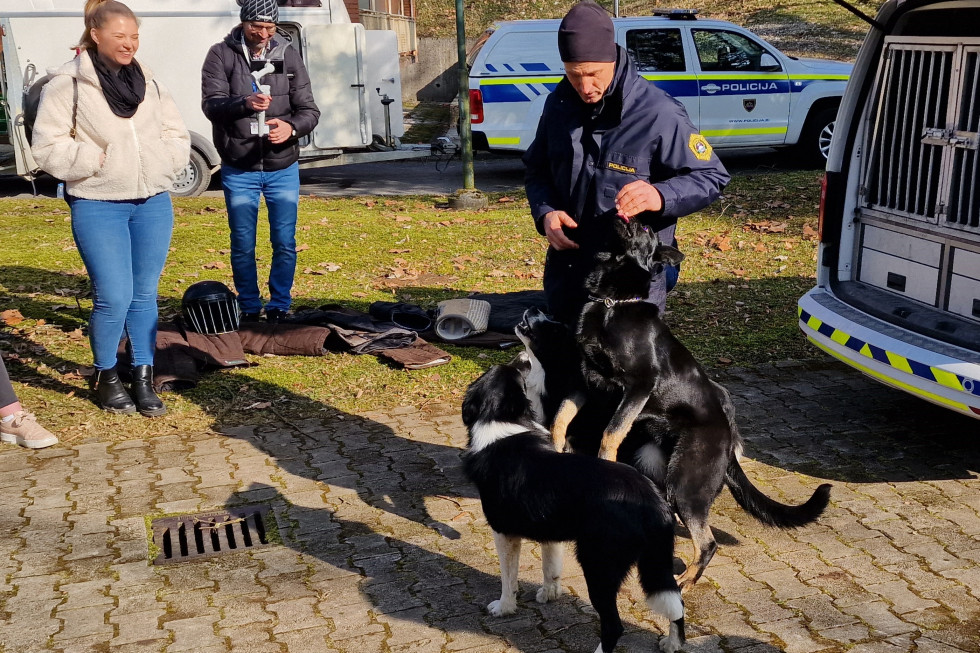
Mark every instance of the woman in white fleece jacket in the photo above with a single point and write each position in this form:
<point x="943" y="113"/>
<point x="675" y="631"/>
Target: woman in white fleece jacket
<point x="116" y="138"/>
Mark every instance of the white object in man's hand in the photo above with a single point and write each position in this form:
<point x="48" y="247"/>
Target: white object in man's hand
<point x="258" y="101"/>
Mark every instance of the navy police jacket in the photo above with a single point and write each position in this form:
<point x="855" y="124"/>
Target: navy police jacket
<point x="582" y="155"/>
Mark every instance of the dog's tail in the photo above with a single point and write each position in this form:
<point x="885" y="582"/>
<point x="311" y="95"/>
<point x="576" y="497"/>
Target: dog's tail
<point x="769" y="511"/>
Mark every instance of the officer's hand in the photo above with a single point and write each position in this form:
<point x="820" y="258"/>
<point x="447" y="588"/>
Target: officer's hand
<point x="258" y="101"/>
<point x="638" y="196"/>
<point x="553" y="223"/>
<point x="279" y="131"/>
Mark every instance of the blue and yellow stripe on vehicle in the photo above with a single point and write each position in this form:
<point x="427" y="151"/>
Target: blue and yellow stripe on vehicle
<point x="512" y="89"/>
<point x="743" y="131"/>
<point x="500" y="141"/>
<point x="527" y="88"/>
<point x="929" y="373"/>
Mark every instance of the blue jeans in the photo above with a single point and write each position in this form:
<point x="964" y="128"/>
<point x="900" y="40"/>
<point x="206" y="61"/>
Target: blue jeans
<point x="124" y="245"/>
<point x="242" y="191"/>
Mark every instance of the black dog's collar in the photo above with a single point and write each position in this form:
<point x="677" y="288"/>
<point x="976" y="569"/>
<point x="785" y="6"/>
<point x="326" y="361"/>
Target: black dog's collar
<point x="609" y="302"/>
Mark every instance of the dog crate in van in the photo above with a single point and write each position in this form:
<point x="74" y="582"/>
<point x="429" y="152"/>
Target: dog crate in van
<point x="921" y="209"/>
<point x="898" y="292"/>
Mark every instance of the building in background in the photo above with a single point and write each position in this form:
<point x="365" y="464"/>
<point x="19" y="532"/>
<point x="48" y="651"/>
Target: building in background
<point x="395" y="15"/>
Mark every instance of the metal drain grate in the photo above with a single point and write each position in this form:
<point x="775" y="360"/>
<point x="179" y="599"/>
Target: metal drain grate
<point x="207" y="534"/>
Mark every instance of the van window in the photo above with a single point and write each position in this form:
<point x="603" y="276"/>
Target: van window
<point x="721" y="50"/>
<point x="656" y="50"/>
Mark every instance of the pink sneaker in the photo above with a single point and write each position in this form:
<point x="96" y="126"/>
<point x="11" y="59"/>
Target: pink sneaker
<point x="24" y="430"/>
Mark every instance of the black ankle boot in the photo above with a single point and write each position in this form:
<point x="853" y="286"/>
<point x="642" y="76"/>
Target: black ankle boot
<point x="111" y="393"/>
<point x="147" y="401"/>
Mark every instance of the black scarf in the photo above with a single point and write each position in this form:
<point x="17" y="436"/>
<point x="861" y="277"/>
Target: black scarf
<point x="123" y="90"/>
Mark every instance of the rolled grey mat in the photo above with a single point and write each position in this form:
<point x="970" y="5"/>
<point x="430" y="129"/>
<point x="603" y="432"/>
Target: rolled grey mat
<point x="459" y="318"/>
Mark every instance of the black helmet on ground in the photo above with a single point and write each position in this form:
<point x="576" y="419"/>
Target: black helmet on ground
<point x="210" y="308"/>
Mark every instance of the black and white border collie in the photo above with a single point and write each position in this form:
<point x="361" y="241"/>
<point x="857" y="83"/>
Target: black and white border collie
<point x="615" y="516"/>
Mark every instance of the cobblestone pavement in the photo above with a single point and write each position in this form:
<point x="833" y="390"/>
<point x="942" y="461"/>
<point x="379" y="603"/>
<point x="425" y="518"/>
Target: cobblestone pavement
<point x="385" y="548"/>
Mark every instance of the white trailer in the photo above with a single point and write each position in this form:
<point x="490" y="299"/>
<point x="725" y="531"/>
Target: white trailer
<point x="354" y="74"/>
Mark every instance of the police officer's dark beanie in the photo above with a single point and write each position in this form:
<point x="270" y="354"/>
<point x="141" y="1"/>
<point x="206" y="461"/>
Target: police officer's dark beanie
<point x="259" y="11"/>
<point x="586" y="34"/>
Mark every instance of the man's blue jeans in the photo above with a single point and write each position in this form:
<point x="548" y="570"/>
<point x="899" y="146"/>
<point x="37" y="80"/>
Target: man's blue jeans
<point x="242" y="191"/>
<point x="124" y="245"/>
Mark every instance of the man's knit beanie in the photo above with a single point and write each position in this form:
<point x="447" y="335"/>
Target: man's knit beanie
<point x="260" y="11"/>
<point x="586" y="34"/>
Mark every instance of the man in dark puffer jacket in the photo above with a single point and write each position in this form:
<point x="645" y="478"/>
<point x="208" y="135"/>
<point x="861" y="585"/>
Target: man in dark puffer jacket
<point x="252" y="164"/>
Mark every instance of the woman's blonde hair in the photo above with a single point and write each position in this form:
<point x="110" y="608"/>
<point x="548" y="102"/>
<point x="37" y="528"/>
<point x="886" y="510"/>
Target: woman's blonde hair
<point x="97" y="14"/>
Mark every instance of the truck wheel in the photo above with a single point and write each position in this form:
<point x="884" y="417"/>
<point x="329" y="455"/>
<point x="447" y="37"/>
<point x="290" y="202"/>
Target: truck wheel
<point x="815" y="140"/>
<point x="193" y="179"/>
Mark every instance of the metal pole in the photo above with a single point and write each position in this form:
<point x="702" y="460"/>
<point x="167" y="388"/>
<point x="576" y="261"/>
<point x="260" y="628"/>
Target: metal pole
<point x="465" y="133"/>
<point x="616" y="8"/>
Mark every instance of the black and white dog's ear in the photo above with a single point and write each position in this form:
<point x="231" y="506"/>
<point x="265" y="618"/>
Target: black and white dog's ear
<point x="668" y="255"/>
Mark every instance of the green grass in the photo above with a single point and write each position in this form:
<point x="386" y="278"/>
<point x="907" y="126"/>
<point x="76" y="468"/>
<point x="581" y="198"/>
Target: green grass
<point x="800" y="27"/>
<point x="748" y="260"/>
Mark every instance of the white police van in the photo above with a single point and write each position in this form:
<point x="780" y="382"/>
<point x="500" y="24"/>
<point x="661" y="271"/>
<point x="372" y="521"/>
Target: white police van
<point x="738" y="90"/>
<point x="898" y="272"/>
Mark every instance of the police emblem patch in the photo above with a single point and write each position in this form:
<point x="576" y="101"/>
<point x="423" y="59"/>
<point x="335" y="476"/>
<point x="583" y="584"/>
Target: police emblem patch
<point x="749" y="104"/>
<point x="700" y="147"/>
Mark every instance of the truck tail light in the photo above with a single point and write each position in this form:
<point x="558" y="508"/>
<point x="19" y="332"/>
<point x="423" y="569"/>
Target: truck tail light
<point x="823" y="206"/>
<point x="476" y="106"/>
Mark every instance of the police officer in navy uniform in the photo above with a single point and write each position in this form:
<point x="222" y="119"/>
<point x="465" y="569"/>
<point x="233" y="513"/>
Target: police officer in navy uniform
<point x="609" y="142"/>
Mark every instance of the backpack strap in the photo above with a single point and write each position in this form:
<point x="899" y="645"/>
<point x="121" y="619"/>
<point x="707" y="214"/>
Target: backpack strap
<point x="74" y="107"/>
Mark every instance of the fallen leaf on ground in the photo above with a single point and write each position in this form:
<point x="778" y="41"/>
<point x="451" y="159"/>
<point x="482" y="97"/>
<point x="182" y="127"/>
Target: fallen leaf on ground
<point x="11" y="317"/>
<point x="721" y="242"/>
<point x="766" y="226"/>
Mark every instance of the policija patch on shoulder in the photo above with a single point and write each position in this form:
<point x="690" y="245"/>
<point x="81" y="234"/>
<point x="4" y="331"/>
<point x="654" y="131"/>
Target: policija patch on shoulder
<point x="700" y="147"/>
<point x="619" y="167"/>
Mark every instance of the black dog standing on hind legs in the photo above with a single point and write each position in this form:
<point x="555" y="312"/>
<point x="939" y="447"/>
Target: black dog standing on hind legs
<point x="636" y="378"/>
<point x="616" y="517"/>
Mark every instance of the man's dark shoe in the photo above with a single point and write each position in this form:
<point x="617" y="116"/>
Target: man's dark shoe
<point x="147" y="401"/>
<point x="274" y="315"/>
<point x="111" y="394"/>
<point x="249" y="317"/>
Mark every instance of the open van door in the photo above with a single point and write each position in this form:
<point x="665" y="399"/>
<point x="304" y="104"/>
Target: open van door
<point x="335" y="61"/>
<point x="13" y="89"/>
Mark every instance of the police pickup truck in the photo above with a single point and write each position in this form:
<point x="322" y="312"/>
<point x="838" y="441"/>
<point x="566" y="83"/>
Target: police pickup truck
<point x="738" y="90"/>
